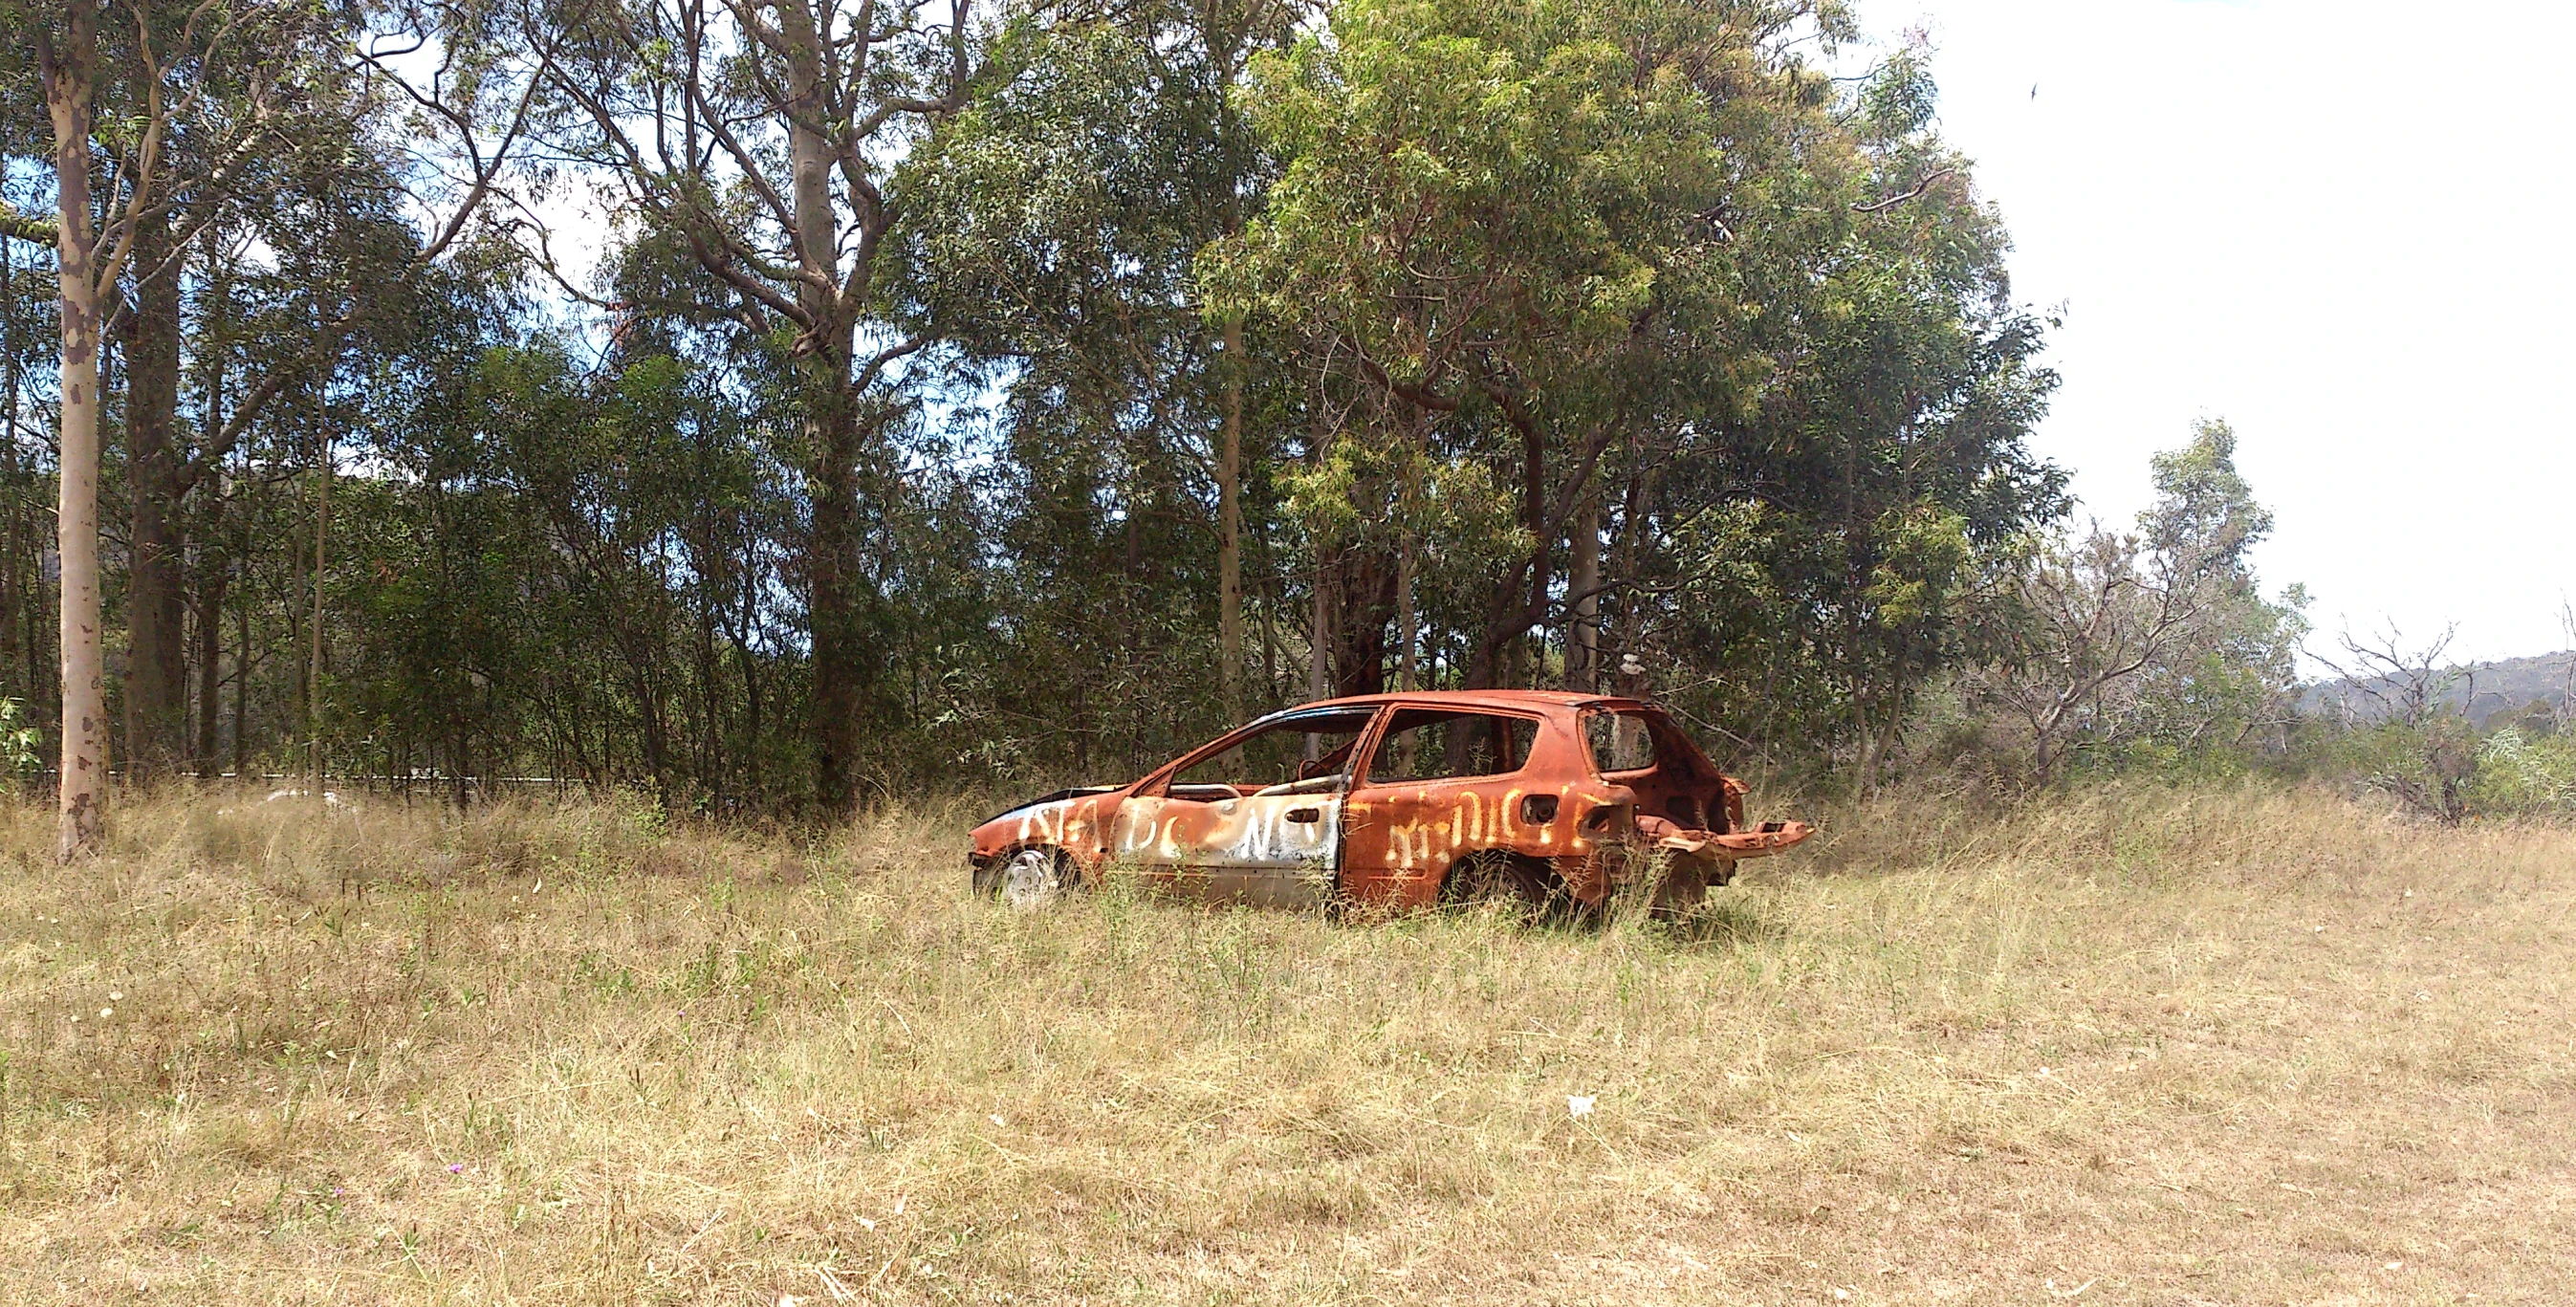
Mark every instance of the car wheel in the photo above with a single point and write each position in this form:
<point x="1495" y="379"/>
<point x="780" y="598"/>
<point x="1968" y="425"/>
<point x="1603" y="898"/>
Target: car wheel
<point x="1032" y="878"/>
<point x="1523" y="886"/>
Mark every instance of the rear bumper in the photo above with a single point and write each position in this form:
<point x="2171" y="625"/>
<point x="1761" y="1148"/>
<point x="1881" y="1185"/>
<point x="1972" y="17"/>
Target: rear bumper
<point x="1771" y="838"/>
<point x="1697" y="857"/>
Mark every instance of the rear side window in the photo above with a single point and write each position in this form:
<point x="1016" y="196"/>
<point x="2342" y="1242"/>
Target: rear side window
<point x="1619" y="741"/>
<point x="1429" y="744"/>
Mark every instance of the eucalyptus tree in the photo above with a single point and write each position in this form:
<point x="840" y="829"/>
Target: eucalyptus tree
<point x="2159" y="639"/>
<point x="1831" y="544"/>
<point x="1735" y="340"/>
<point x="403" y="126"/>
<point x="759" y="135"/>
<point x="1497" y="223"/>
<point x="1056" y="222"/>
<point x="115" y="177"/>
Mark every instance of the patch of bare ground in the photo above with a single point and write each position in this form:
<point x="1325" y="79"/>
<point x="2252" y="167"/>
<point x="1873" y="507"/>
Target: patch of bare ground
<point x="2147" y="1046"/>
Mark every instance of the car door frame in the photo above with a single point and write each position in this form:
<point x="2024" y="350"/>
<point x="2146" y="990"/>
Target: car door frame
<point x="1400" y="838"/>
<point x="1273" y="850"/>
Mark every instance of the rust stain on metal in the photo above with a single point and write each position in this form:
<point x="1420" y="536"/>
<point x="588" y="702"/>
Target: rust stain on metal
<point x="1590" y="790"/>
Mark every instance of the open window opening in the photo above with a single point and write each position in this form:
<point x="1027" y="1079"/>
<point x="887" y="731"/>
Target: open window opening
<point x="1646" y="754"/>
<point x="1430" y="744"/>
<point x="1306" y="754"/>
<point x="1620" y="742"/>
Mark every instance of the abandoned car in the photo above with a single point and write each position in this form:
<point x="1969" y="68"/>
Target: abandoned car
<point x="1403" y="801"/>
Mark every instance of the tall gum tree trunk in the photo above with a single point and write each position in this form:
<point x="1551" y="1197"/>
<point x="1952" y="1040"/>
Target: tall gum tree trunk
<point x="1408" y="623"/>
<point x="241" y="686"/>
<point x="844" y="89"/>
<point x="1229" y="529"/>
<point x="1521" y="600"/>
<point x="1319" y="629"/>
<point x="209" y="600"/>
<point x="1583" y="580"/>
<point x="1364" y="582"/>
<point x="831" y="428"/>
<point x="210" y="661"/>
<point x="833" y="570"/>
<point x="321" y="577"/>
<point x="1224" y="33"/>
<point x="70" y="72"/>
<point x="13" y="592"/>
<point x="155" y="677"/>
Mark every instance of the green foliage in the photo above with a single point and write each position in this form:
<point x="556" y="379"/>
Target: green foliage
<point x="1631" y="254"/>
<point x="1511" y="152"/>
<point x="2204" y="511"/>
<point x="21" y="744"/>
<point x="2155" y="650"/>
<point x="1560" y="337"/>
<point x="2521" y="773"/>
<point x="2426" y="766"/>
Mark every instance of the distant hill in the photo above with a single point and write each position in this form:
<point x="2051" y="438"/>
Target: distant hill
<point x="2501" y="687"/>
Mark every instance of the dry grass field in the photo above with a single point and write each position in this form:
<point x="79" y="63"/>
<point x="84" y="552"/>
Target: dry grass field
<point x="2151" y="1046"/>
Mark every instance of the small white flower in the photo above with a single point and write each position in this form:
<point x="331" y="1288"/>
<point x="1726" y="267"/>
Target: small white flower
<point x="106" y="1012"/>
<point x="116" y="996"/>
<point x="1578" y="1106"/>
<point x="994" y="1117"/>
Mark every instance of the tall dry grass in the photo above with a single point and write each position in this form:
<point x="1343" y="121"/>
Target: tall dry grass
<point x="2134" y="1046"/>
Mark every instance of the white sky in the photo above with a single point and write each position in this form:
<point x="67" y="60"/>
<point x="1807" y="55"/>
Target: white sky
<point x="2329" y="222"/>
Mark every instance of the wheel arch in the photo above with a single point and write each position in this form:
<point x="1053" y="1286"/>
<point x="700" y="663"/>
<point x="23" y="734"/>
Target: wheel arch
<point x="1533" y="879"/>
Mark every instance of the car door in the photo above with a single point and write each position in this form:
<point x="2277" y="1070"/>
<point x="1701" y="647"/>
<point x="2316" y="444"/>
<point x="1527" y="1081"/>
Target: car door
<point x="1440" y="783"/>
<point x="1255" y="817"/>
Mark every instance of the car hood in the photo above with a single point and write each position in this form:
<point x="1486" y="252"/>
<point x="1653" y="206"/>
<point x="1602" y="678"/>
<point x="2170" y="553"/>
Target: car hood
<point x="1059" y="796"/>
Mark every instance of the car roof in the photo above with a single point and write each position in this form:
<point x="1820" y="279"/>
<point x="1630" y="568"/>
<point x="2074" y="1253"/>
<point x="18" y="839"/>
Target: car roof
<point x="1525" y="700"/>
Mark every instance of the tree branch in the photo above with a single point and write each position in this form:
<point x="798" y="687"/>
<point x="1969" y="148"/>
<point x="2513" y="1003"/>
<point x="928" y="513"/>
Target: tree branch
<point x="26" y="227"/>
<point x="1892" y="201"/>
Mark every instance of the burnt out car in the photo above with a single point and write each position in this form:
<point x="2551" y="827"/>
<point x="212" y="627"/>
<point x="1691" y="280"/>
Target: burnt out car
<point x="1402" y="801"/>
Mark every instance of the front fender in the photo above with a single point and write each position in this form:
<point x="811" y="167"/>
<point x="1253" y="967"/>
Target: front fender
<point x="1076" y="822"/>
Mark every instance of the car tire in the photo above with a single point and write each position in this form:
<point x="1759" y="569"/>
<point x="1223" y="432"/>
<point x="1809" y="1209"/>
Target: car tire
<point x="1029" y="879"/>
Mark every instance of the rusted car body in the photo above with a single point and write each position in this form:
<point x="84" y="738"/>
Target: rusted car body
<point x="1401" y="801"/>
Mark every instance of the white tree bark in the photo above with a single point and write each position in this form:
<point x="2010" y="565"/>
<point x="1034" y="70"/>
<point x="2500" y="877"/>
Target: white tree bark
<point x="70" y="75"/>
